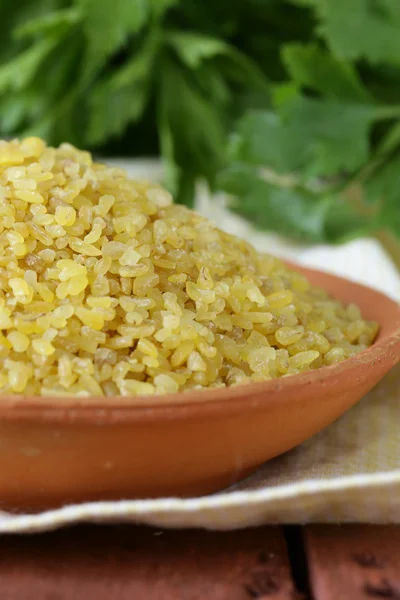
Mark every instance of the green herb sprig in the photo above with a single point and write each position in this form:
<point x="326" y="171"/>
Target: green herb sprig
<point x="290" y="106"/>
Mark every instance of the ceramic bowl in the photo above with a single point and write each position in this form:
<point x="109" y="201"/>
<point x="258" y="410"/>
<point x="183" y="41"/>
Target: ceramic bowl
<point x="55" y="451"/>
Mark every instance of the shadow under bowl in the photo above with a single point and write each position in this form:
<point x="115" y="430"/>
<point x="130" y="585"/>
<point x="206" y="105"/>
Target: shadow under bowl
<point x="55" y="451"/>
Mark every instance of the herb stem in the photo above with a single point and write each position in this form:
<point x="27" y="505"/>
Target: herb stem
<point x="387" y="112"/>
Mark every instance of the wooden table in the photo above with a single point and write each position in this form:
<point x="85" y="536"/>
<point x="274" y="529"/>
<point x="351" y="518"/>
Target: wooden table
<point x="269" y="563"/>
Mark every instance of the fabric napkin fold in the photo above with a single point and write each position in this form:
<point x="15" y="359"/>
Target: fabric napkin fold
<point x="350" y="471"/>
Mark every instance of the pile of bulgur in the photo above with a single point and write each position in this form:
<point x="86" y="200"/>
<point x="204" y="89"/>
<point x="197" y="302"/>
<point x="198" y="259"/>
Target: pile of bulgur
<point x="108" y="288"/>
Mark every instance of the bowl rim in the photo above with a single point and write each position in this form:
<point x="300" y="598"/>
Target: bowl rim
<point x="180" y="404"/>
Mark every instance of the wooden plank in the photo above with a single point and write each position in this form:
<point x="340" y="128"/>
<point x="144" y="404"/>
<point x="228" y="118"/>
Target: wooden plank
<point x="359" y="562"/>
<point x="128" y="563"/>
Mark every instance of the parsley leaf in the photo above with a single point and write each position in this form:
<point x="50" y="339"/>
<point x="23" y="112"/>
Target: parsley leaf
<point x="107" y="26"/>
<point x="291" y="210"/>
<point x="194" y="48"/>
<point x="311" y="66"/>
<point x="360" y="29"/>
<point x="283" y="162"/>
<point x="284" y="210"/>
<point x="121" y="98"/>
<point x="336" y="134"/>
<point x="289" y="105"/>
<point x="200" y="147"/>
<point x="57" y="22"/>
<point x="19" y="72"/>
<point x="315" y="137"/>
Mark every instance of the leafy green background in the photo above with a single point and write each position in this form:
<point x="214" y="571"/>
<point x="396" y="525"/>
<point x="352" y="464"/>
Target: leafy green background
<point x="291" y="106"/>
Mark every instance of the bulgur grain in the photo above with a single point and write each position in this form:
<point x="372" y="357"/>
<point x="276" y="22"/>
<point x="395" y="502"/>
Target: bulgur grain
<point x="109" y="288"/>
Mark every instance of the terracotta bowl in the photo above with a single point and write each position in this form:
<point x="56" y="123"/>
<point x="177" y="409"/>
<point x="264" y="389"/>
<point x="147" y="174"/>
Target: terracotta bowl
<point x="55" y="451"/>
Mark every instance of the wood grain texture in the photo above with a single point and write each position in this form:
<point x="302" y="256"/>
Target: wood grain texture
<point x="128" y="563"/>
<point x="360" y="562"/>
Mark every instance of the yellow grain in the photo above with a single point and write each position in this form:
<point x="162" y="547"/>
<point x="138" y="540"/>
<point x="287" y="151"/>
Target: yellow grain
<point x="108" y="288"/>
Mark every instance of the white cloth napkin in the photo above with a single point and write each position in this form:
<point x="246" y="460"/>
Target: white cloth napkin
<point x="348" y="472"/>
